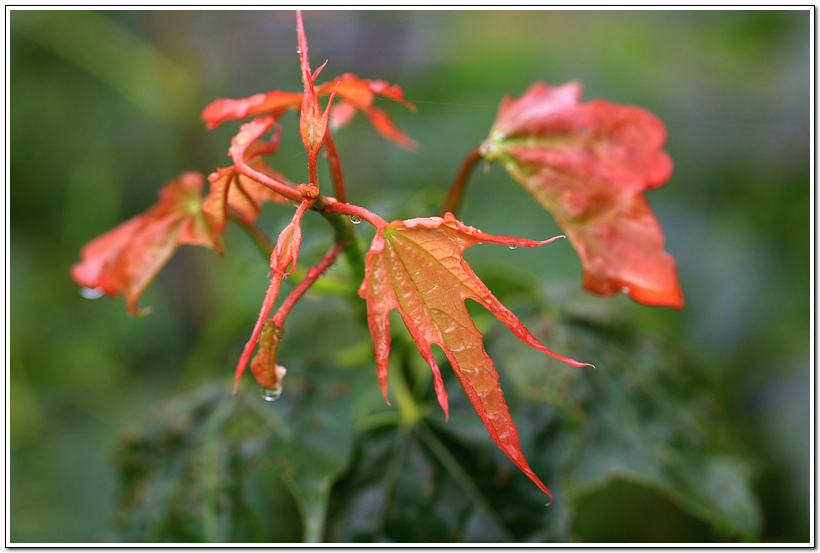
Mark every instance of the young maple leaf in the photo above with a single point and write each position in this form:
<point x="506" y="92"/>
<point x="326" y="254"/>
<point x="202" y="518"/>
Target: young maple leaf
<point x="356" y="94"/>
<point x="282" y="262"/>
<point x="416" y="267"/>
<point x="230" y="188"/>
<point x="588" y="164"/>
<point x="126" y="259"/>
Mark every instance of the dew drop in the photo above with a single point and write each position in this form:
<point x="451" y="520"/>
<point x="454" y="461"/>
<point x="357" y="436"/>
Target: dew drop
<point x="298" y="50"/>
<point x="513" y="246"/>
<point x="625" y="289"/>
<point x="355" y="219"/>
<point x="91" y="293"/>
<point x="270" y="394"/>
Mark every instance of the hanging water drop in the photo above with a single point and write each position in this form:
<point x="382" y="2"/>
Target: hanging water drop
<point x="91" y="293"/>
<point x="513" y="246"/>
<point x="355" y="219"/>
<point x="270" y="394"/>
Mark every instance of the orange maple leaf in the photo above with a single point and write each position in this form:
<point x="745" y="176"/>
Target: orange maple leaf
<point x="416" y="267"/>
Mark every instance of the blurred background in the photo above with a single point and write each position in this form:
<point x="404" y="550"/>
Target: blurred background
<point x="694" y="427"/>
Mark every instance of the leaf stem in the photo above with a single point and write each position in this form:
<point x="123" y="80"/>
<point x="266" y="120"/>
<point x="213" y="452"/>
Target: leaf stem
<point x="356" y="212"/>
<point x="346" y="236"/>
<point x="312" y="169"/>
<point x="332" y="155"/>
<point x="267" y="305"/>
<point x="313" y="273"/>
<point x="262" y="240"/>
<point x="453" y="200"/>
<point x="285" y="190"/>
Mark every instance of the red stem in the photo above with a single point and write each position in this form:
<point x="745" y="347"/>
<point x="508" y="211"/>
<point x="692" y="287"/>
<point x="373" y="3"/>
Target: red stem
<point x="267" y="305"/>
<point x="356" y="211"/>
<point x="314" y="172"/>
<point x="287" y="191"/>
<point x="453" y="200"/>
<point x="313" y="273"/>
<point x="335" y="168"/>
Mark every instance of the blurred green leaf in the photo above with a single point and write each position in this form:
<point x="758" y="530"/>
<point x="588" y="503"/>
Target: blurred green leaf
<point x="188" y="470"/>
<point x="116" y="55"/>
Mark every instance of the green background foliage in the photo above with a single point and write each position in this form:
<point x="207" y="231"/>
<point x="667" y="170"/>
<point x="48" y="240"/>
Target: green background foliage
<point x="693" y="427"/>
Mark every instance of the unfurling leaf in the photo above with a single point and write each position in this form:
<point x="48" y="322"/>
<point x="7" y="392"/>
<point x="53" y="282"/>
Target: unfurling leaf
<point x="230" y="188"/>
<point x="126" y="259"/>
<point x="284" y="256"/>
<point x="263" y="365"/>
<point x="416" y="267"/>
<point x="588" y="164"/>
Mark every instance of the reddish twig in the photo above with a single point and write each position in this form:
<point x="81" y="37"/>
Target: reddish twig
<point x="270" y="299"/>
<point x="312" y="169"/>
<point x="335" y="168"/>
<point x="355" y="212"/>
<point x="287" y="191"/>
<point x="313" y="273"/>
<point x="453" y="200"/>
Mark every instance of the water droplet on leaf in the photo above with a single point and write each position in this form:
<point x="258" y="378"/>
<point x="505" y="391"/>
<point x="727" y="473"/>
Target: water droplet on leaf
<point x="355" y="219"/>
<point x="513" y="246"/>
<point x="270" y="394"/>
<point x="91" y="293"/>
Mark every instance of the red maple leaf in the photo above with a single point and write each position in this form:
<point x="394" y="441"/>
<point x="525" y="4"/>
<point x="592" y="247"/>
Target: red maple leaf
<point x="416" y="267"/>
<point x="588" y="164"/>
<point x="126" y="259"/>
